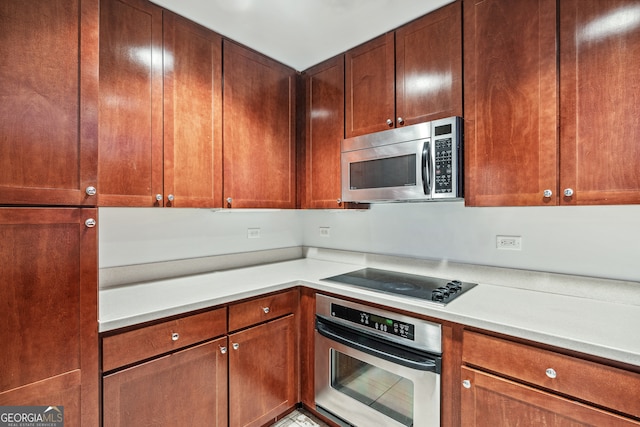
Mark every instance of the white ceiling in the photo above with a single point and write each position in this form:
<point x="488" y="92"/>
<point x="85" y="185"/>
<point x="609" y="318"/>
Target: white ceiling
<point x="301" y="33"/>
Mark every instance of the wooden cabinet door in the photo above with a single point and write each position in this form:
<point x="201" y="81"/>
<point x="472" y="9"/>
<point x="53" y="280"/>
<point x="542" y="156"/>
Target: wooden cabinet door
<point x="429" y="67"/>
<point x="510" y="102"/>
<point x="369" y="87"/>
<point x="262" y="372"/>
<point x="186" y="388"/>
<point x="259" y="130"/>
<point x="192" y="114"/>
<point x="599" y="98"/>
<point x="49" y="93"/>
<point x="492" y="401"/>
<point x="49" y="316"/>
<point x="324" y="133"/>
<point x="130" y="116"/>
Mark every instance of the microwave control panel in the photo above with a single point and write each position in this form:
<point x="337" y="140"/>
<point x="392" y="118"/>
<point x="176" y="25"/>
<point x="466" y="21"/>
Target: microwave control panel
<point x="381" y="324"/>
<point x="444" y="165"/>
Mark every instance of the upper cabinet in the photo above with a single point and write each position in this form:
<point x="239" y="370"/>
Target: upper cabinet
<point x="599" y="99"/>
<point x="324" y="131"/>
<point x="49" y="92"/>
<point x="407" y="77"/>
<point x="519" y="90"/>
<point x="155" y="153"/>
<point x="259" y="130"/>
<point x="130" y="148"/>
<point x="192" y="114"/>
<point x="510" y="102"/>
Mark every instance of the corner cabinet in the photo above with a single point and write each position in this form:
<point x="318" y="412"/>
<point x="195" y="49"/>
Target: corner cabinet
<point x="324" y="114"/>
<point x="506" y="383"/>
<point x="259" y="130"/>
<point x="548" y="127"/>
<point x="48" y="294"/>
<point x="49" y="92"/>
<point x="407" y="77"/>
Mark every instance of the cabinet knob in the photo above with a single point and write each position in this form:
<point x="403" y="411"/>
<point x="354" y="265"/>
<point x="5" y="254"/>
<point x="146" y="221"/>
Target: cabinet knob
<point x="90" y="223"/>
<point x="229" y="200"/>
<point x="466" y="384"/>
<point x="91" y="191"/>
<point x="568" y="192"/>
<point x="547" y="193"/>
<point x="170" y="197"/>
<point x="158" y="197"/>
<point x="235" y="345"/>
<point x="400" y="120"/>
<point x="223" y="350"/>
<point x="389" y="122"/>
<point x="175" y="336"/>
<point x="339" y="201"/>
<point x="551" y="373"/>
<point x="266" y="310"/>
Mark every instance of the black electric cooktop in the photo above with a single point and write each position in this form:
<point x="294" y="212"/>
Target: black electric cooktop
<point x="427" y="288"/>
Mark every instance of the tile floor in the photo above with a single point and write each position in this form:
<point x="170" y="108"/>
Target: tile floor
<point x="299" y="418"/>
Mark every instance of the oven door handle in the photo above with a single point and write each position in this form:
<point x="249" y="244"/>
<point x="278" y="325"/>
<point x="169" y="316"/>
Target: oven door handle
<point x="378" y="348"/>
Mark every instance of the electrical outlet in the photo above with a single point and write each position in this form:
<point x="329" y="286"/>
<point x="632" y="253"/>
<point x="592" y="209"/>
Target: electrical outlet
<point x="513" y="243"/>
<point x="253" y="233"/>
<point x="325" y="231"/>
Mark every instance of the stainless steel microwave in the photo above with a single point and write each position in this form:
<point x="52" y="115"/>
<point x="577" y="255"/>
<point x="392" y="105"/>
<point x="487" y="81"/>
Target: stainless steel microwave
<point x="412" y="163"/>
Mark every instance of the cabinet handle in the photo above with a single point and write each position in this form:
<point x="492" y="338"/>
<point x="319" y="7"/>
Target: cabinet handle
<point x="158" y="197"/>
<point x="170" y="197"/>
<point x="266" y="310"/>
<point x="235" y="345"/>
<point x="389" y="122"/>
<point x="568" y="192"/>
<point x="547" y="193"/>
<point x="90" y="223"/>
<point x="175" y="336"/>
<point x="551" y="373"/>
<point x="91" y="191"/>
<point x="466" y="384"/>
<point x="400" y="120"/>
<point x="223" y="350"/>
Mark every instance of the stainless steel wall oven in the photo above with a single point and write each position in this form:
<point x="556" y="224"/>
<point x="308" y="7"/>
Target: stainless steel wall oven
<point x="374" y="367"/>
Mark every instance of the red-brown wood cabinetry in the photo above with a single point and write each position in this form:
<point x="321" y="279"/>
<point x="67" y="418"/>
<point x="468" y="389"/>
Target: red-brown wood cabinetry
<point x="259" y="130"/>
<point x="550" y="114"/>
<point x="49" y="93"/>
<point x="407" y="77"/>
<point x="48" y="292"/>
<point x="324" y="113"/>
<point x="192" y="114"/>
<point x="130" y="146"/>
<point x="505" y="383"/>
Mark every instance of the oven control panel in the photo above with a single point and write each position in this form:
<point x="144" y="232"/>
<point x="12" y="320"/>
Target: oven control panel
<point x="374" y="321"/>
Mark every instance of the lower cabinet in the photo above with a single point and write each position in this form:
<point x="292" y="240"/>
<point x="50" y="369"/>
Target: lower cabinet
<point x="189" y="371"/>
<point x="262" y="378"/>
<point x="185" y="388"/>
<point x="507" y="383"/>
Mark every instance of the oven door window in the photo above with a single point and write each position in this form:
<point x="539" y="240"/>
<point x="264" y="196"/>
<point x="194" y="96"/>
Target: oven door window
<point x="386" y="392"/>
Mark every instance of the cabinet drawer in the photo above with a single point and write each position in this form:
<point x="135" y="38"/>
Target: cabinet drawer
<point x="589" y="381"/>
<point x="262" y="309"/>
<point x="129" y="347"/>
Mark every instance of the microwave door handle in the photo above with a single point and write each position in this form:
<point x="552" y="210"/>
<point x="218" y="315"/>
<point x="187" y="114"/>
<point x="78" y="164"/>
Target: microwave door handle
<point x="426" y="167"/>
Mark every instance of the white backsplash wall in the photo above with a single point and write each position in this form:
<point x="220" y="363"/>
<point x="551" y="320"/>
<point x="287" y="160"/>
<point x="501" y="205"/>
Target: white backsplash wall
<point x="129" y="236"/>
<point x="599" y="241"/>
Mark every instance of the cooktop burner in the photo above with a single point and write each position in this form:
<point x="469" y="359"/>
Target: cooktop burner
<point x="433" y="289"/>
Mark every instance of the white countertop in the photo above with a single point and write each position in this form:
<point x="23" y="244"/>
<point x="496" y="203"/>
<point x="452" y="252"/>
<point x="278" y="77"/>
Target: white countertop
<point x="605" y="329"/>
